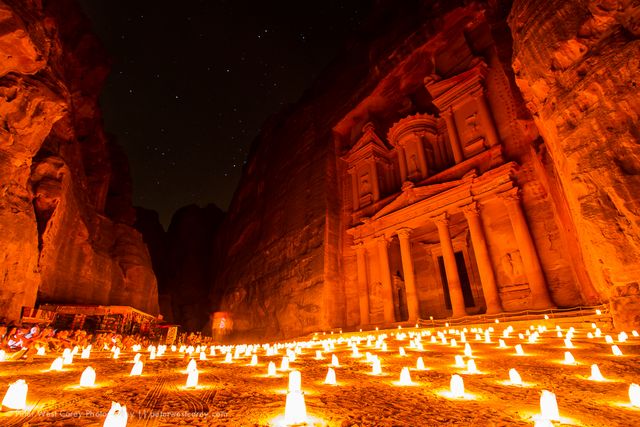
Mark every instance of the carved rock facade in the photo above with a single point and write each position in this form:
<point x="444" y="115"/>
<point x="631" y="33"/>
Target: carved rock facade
<point x="422" y="176"/>
<point x="65" y="196"/>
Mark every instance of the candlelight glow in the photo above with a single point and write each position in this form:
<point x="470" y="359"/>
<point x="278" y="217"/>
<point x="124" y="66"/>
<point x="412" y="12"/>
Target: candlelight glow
<point x="456" y="386"/>
<point x="634" y="395"/>
<point x="56" y="365"/>
<point x="228" y="358"/>
<point x="568" y="358"/>
<point x="616" y="350"/>
<point x="420" y="364"/>
<point x="334" y="361"/>
<point x="192" y="379"/>
<point x="254" y="360"/>
<point x="88" y="377"/>
<point x="284" y="364"/>
<point x="405" y="377"/>
<point x="271" y="370"/>
<point x="519" y="350"/>
<point x="117" y="416"/>
<point x="595" y="373"/>
<point x="295" y="412"/>
<point x="549" y="406"/>
<point x="16" y="396"/>
<point x="376" y="368"/>
<point x="295" y="381"/>
<point x="514" y="377"/>
<point x="330" y="379"/>
<point x="137" y="369"/>
<point x="459" y="361"/>
<point x="471" y="367"/>
<point x="40" y="352"/>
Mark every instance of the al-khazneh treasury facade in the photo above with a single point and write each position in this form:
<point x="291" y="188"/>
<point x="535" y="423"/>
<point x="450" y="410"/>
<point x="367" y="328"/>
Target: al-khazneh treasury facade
<point x="445" y="208"/>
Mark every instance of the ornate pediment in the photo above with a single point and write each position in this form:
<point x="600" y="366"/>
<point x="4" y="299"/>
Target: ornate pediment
<point x="411" y="194"/>
<point x="446" y="93"/>
<point x="368" y="144"/>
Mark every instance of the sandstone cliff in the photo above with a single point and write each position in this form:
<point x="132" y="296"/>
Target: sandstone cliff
<point x="185" y="261"/>
<point x="65" y="196"/>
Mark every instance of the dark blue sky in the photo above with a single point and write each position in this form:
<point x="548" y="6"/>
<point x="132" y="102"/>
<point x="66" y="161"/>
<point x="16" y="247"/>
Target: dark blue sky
<point x="193" y="81"/>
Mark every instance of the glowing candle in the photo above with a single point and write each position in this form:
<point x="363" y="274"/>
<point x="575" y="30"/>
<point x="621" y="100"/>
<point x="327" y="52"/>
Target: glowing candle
<point x="192" y="379"/>
<point x="453" y="342"/>
<point x="376" y="368"/>
<point x="56" y="365"/>
<point x="519" y="350"/>
<point x="86" y="352"/>
<point x="284" y="364"/>
<point x="3" y="356"/>
<point x="16" y="396"/>
<point x="212" y="351"/>
<point x="254" y="360"/>
<point x="622" y="336"/>
<point x="295" y="381"/>
<point x="330" y="379"/>
<point x="514" y="377"/>
<point x="549" y="406"/>
<point x="487" y="337"/>
<point x="41" y="351"/>
<point x="354" y="352"/>
<point x="433" y="339"/>
<point x="471" y="367"/>
<point x="616" y="351"/>
<point x="420" y="364"/>
<point x="457" y="386"/>
<point x="67" y="357"/>
<point x="595" y="373"/>
<point x="634" y="395"/>
<point x="589" y="335"/>
<point x="405" y="377"/>
<point x="192" y="365"/>
<point x="137" y="369"/>
<point x="467" y="350"/>
<point x="271" y="370"/>
<point x="459" y="361"/>
<point x="402" y="352"/>
<point x="334" y="361"/>
<point x="203" y="355"/>
<point x="502" y="343"/>
<point x="117" y="416"/>
<point x="295" y="412"/>
<point x="463" y="337"/>
<point x="173" y="348"/>
<point x="568" y="343"/>
<point x="635" y="333"/>
<point x="568" y="358"/>
<point x="88" y="377"/>
<point x="384" y="346"/>
<point x="116" y="353"/>
<point x="136" y="358"/>
<point x="228" y="358"/>
<point x="608" y="339"/>
<point x="598" y="333"/>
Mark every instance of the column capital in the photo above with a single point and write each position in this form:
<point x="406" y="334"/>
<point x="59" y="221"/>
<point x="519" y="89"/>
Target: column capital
<point x="441" y="220"/>
<point x="404" y="233"/>
<point x="511" y="196"/>
<point x="359" y="247"/>
<point x="382" y="239"/>
<point x="471" y="210"/>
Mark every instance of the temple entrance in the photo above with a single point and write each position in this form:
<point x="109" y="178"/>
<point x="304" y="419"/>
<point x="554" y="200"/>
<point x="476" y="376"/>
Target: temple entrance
<point x="464" y="281"/>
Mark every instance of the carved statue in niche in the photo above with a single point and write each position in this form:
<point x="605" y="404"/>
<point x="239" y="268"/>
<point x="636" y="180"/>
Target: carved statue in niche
<point x="415" y="169"/>
<point x="365" y="185"/>
<point x="512" y="266"/>
<point x="472" y="129"/>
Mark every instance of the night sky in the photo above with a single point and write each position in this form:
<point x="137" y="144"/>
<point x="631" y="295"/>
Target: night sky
<point x="193" y="81"/>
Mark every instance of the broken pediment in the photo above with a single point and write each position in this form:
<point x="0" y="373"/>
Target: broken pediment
<point x="411" y="194"/>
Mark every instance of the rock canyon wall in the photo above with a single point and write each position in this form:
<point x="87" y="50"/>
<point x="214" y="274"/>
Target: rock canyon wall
<point x="65" y="192"/>
<point x="484" y="150"/>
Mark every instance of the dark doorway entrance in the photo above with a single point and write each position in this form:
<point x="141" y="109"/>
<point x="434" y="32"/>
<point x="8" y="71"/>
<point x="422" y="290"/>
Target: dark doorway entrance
<point x="464" y="281"/>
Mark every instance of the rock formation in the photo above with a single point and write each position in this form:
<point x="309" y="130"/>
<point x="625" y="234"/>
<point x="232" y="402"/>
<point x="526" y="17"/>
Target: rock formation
<point x="65" y="190"/>
<point x="470" y="149"/>
<point x="184" y="260"/>
<point x="578" y="68"/>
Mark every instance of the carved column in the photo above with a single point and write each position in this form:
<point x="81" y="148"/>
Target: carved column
<point x="458" y="156"/>
<point x="450" y="266"/>
<point x="402" y="162"/>
<point x="363" y="288"/>
<point x="375" y="184"/>
<point x="385" y="273"/>
<point x="533" y="270"/>
<point x="413" y="305"/>
<point x="422" y="158"/>
<point x="354" y="188"/>
<point x="485" y="268"/>
<point x="487" y="119"/>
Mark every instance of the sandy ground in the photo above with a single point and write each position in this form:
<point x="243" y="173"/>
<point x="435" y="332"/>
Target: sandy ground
<point x="241" y="395"/>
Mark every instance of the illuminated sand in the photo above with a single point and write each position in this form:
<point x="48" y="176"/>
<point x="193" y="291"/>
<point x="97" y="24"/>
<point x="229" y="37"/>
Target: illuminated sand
<point x="238" y="394"/>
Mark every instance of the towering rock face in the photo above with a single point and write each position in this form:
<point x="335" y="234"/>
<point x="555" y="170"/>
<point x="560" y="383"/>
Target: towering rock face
<point x="65" y="196"/>
<point x="578" y="67"/>
<point x="413" y="179"/>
